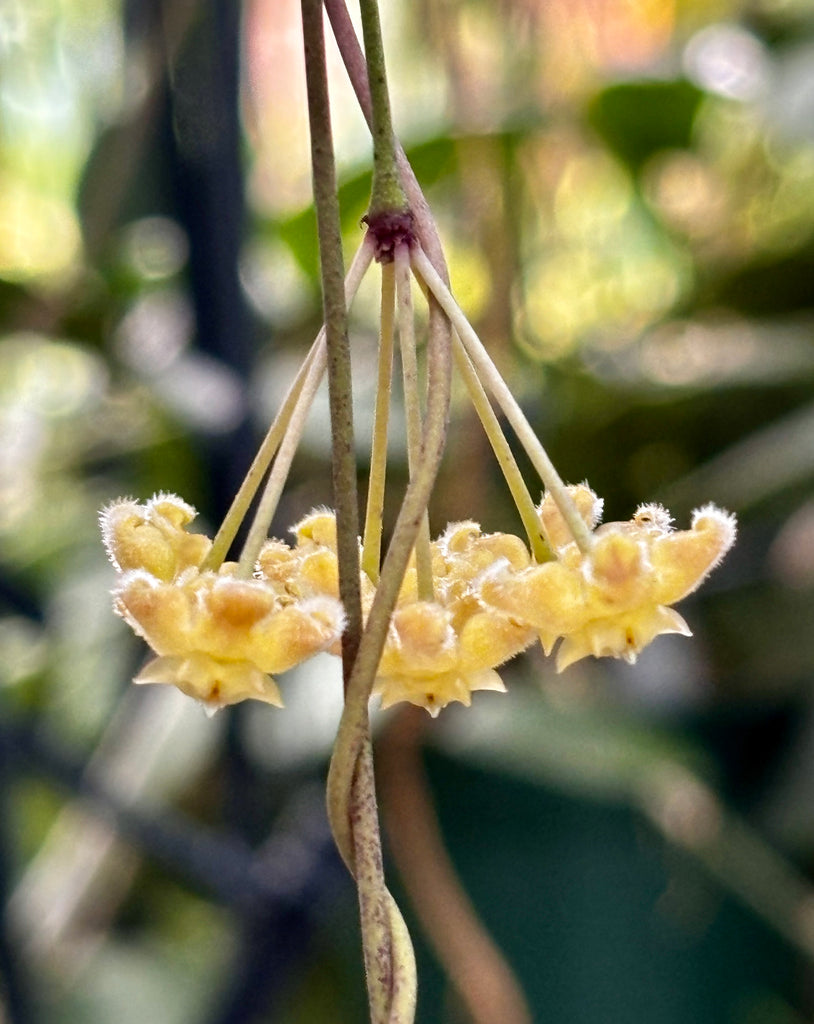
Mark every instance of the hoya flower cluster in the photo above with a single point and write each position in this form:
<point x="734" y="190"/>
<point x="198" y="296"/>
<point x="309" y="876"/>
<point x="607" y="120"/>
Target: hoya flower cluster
<point x="437" y="650"/>
<point x="468" y="601"/>
<point x="221" y="638"/>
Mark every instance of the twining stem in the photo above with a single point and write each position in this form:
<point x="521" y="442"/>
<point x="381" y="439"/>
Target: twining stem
<point x="352" y="743"/>
<point x="360" y="825"/>
<point x="387" y="195"/>
<point x="489" y="374"/>
<point x="353" y="726"/>
<point x="372" y="542"/>
<point x="353" y="735"/>
<point x="503" y="453"/>
<point x="271" y="442"/>
<point x="340" y="390"/>
<point x="356" y="67"/>
<point x="412" y="408"/>
<point x="352" y="731"/>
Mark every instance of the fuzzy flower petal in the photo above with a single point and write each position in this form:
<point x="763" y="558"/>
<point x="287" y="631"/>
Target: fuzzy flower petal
<point x="443" y="650"/>
<point x="152" y="536"/>
<point x="588" y="505"/>
<point x="425" y="663"/>
<point x="443" y="690"/>
<point x="683" y="559"/>
<point x="228" y="619"/>
<point x="436" y="651"/>
<point x="614" y="600"/>
<point x="218" y="637"/>
<point x="621" y="636"/>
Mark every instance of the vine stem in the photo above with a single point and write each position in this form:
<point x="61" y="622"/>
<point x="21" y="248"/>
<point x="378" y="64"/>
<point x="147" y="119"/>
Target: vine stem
<point x="490" y="375"/>
<point x="353" y="726"/>
<point x="438" y="392"/>
<point x="356" y="67"/>
<point x="381" y="933"/>
<point x="387" y="195"/>
<point x="352" y="745"/>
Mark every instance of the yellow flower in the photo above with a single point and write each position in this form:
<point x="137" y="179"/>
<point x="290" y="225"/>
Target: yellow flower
<point x="442" y="650"/>
<point x="428" y="662"/>
<point x="436" y="651"/>
<point x="309" y="568"/>
<point x="554" y="527"/>
<point x="218" y="638"/>
<point x="152" y="536"/>
<point x="612" y="601"/>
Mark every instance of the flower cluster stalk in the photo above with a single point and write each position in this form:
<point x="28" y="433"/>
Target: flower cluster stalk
<point x="262" y="460"/>
<point x="387" y="195"/>
<point x="273" y="490"/>
<point x="503" y="453"/>
<point x="412" y="407"/>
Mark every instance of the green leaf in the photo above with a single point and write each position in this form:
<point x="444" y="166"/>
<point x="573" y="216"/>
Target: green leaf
<point x="637" y="119"/>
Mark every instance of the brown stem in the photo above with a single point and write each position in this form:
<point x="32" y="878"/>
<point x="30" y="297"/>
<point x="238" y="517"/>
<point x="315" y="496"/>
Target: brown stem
<point x="336" y="326"/>
<point x="360" y="813"/>
<point x="352" y="733"/>
<point x="354" y="61"/>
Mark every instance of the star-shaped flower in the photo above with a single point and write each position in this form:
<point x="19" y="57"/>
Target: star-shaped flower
<point x="439" y="650"/>
<point x="615" y="599"/>
<point x="429" y="662"/>
<point x="219" y="638"/>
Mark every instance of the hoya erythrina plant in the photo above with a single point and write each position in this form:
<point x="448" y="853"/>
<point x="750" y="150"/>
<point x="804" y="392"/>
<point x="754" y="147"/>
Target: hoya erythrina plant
<point x="433" y="621"/>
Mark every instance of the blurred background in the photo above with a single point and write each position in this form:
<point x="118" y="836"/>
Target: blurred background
<point x="625" y="189"/>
